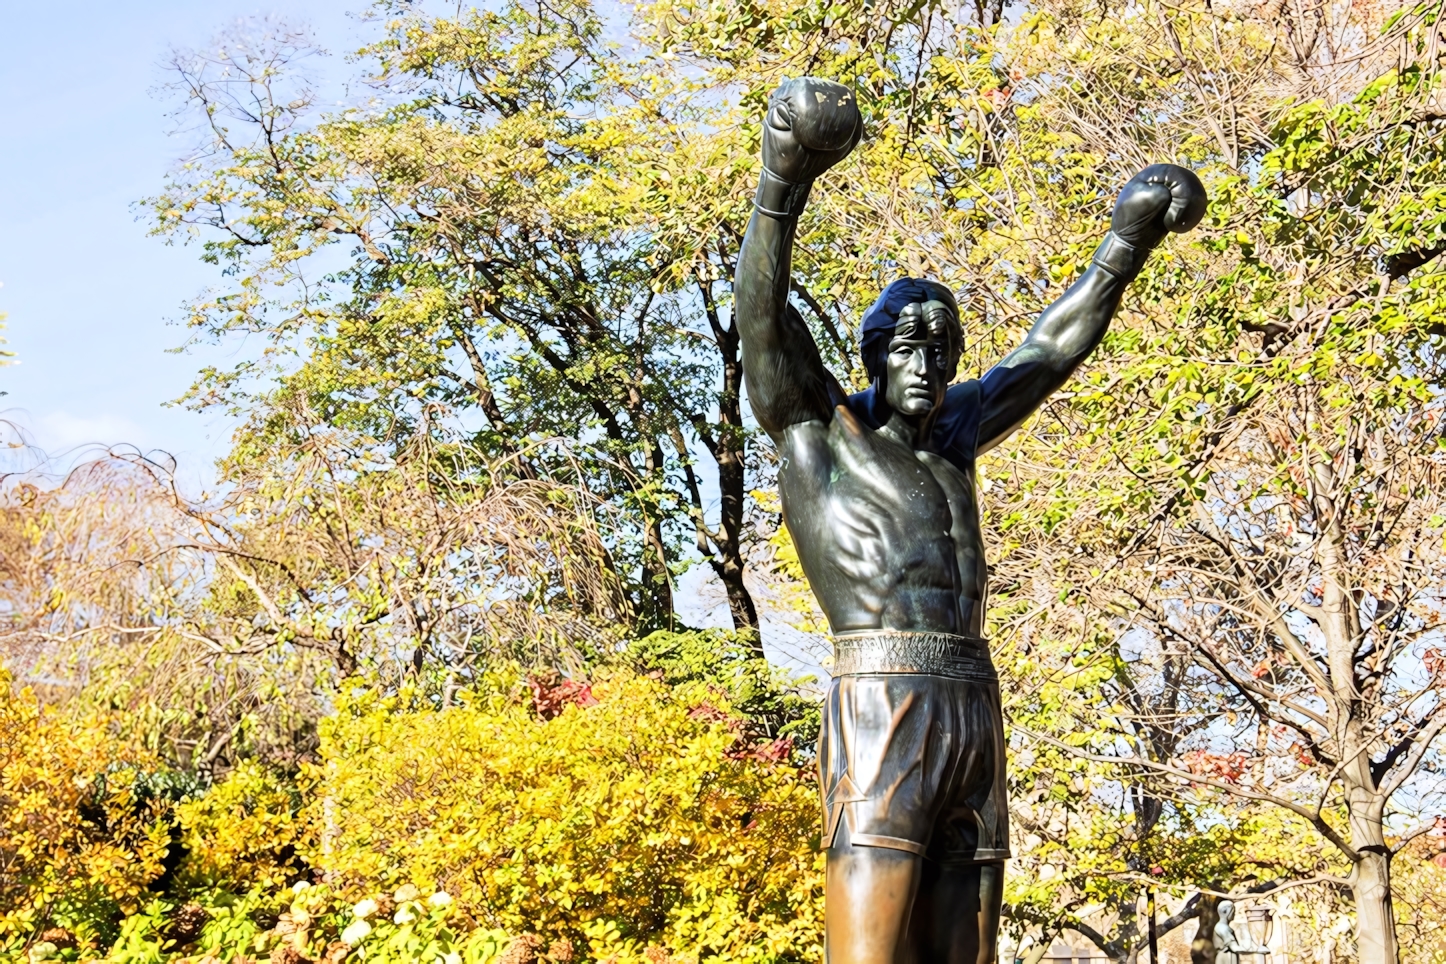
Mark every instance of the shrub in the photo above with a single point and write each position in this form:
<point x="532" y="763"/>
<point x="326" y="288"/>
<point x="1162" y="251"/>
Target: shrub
<point x="647" y="818"/>
<point x="81" y="837"/>
<point x="241" y="834"/>
<point x="767" y="697"/>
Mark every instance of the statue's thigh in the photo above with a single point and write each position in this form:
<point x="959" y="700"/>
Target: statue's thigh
<point x="869" y="897"/>
<point x="956" y="913"/>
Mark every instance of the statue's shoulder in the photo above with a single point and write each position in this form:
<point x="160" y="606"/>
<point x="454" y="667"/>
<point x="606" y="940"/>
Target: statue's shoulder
<point x="956" y="430"/>
<point x="867" y="408"/>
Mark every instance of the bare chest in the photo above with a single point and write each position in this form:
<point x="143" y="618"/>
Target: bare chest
<point x="888" y="536"/>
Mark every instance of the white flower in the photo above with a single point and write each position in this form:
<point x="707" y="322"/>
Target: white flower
<point x="406" y="892"/>
<point x="299" y="886"/>
<point x="355" y="931"/>
<point x="405" y="915"/>
<point x="452" y="957"/>
<point x="364" y="909"/>
<point x="440" y="899"/>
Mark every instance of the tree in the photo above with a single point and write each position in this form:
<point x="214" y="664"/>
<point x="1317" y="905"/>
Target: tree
<point x="1246" y="475"/>
<point x="1260" y="434"/>
<point x="1259" y="428"/>
<point x="503" y="274"/>
<point x="542" y="231"/>
<point x="1092" y="839"/>
<point x="223" y="626"/>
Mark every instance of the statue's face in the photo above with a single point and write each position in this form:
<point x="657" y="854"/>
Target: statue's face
<point x="919" y="358"/>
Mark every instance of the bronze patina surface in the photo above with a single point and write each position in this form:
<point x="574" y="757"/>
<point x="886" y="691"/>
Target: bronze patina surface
<point x="878" y="491"/>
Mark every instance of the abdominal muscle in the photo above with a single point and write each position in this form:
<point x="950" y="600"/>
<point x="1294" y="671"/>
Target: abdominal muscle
<point x="911" y="587"/>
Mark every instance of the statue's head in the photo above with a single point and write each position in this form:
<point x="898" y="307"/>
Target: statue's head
<point x="910" y="341"/>
<point x="1226" y="909"/>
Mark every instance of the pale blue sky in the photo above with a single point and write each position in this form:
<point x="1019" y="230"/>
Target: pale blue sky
<point x="83" y="136"/>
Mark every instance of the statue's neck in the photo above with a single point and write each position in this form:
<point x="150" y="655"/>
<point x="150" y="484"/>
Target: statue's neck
<point x="902" y="428"/>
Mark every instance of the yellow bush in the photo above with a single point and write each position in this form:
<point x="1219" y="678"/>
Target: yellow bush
<point x="638" y="821"/>
<point x="79" y="841"/>
<point x="242" y="833"/>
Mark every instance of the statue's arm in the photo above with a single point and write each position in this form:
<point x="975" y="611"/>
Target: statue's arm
<point x="1062" y="338"/>
<point x="1225" y="936"/>
<point x="787" y="381"/>
<point x="1159" y="199"/>
<point x="810" y="126"/>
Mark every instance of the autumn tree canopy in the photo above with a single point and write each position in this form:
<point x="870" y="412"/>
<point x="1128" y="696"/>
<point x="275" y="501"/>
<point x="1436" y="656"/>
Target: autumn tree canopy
<point x="491" y="409"/>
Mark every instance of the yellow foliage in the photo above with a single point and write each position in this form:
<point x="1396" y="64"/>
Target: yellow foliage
<point x="640" y="821"/>
<point x="242" y="833"/>
<point x="1418" y="883"/>
<point x="77" y="840"/>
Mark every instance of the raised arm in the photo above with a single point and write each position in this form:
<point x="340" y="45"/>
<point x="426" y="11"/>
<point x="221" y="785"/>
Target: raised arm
<point x="1159" y="199"/>
<point x="811" y="125"/>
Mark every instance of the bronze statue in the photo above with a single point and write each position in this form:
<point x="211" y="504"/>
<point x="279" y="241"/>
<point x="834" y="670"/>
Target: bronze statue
<point x="878" y="492"/>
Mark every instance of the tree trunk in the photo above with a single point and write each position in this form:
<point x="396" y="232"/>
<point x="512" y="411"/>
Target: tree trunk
<point x="1202" y="948"/>
<point x="1375" y="917"/>
<point x="1371" y="878"/>
<point x="730" y="567"/>
<point x="657" y="589"/>
<point x="740" y="603"/>
<point x="1339" y="623"/>
<point x="726" y="444"/>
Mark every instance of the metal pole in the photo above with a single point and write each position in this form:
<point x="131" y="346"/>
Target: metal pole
<point x="1154" y="944"/>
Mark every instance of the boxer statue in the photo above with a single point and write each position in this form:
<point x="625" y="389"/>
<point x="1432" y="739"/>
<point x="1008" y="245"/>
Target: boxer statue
<point x="878" y="492"/>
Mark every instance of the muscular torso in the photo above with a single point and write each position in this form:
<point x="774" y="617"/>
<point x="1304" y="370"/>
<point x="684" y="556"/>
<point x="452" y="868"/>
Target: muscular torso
<point x="888" y="537"/>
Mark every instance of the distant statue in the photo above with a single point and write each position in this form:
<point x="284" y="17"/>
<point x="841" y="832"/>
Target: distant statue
<point x="1202" y="949"/>
<point x="1228" y="947"/>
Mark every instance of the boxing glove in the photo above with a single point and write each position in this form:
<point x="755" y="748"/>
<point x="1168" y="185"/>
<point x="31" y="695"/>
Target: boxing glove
<point x="811" y="125"/>
<point x="1162" y="198"/>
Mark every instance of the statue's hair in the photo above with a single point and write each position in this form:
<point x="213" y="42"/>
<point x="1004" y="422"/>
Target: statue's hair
<point x="882" y="319"/>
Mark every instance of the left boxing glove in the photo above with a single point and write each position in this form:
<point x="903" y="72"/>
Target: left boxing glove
<point x="1161" y="198"/>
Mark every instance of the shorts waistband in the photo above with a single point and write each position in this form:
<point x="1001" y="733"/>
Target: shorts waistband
<point x="931" y="654"/>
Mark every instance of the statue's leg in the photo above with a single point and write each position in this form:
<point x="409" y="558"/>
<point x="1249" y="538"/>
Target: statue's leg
<point x="869" y="900"/>
<point x="885" y="756"/>
<point x="956" y="912"/>
<point x="961" y="886"/>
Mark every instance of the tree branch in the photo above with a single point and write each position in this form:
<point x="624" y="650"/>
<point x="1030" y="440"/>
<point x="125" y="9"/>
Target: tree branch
<point x="1315" y="819"/>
